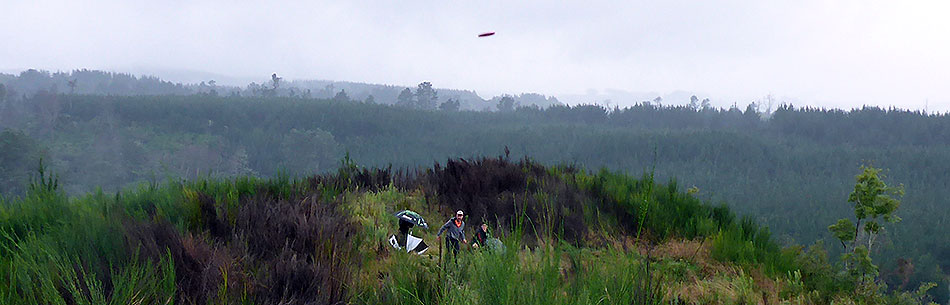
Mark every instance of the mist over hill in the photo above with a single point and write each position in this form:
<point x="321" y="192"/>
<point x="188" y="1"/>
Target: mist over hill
<point x="185" y="82"/>
<point x="95" y="82"/>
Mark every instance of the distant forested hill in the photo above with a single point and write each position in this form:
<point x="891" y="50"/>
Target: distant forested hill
<point x="94" y="82"/>
<point x="792" y="172"/>
<point x="30" y="82"/>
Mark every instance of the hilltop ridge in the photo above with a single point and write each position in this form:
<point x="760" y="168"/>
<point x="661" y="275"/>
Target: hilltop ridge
<point x="572" y="237"/>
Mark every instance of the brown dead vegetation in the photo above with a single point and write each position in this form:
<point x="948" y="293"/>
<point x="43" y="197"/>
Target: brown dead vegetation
<point x="296" y="250"/>
<point x="508" y="194"/>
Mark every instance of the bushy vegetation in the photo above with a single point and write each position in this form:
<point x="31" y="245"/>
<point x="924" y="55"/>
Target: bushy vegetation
<point x="663" y="212"/>
<point x="220" y="242"/>
<point x="569" y="236"/>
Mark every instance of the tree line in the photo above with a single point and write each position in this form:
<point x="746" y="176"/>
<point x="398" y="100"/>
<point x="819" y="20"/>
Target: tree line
<point x="423" y="96"/>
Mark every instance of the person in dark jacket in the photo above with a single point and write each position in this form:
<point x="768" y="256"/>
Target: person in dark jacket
<point x="481" y="236"/>
<point x="455" y="231"/>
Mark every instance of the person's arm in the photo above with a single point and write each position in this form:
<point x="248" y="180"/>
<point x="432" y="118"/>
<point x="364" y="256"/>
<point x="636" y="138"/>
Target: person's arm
<point x="477" y="238"/>
<point x="442" y="229"/>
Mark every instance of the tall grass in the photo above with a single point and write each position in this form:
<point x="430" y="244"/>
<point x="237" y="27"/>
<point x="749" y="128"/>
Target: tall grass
<point x="545" y="275"/>
<point x="321" y="240"/>
<point x="748" y="243"/>
<point x="36" y="273"/>
<point x="667" y="212"/>
<point x="245" y="240"/>
<point x="57" y="251"/>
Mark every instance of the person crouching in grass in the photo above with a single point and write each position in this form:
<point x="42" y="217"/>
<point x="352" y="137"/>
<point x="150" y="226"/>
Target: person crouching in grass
<point x="481" y="236"/>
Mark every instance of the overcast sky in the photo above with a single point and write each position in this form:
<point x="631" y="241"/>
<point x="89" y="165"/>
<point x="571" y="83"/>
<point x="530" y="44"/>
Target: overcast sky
<point x="827" y="53"/>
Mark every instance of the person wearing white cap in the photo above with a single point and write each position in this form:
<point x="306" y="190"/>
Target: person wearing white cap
<point x="455" y="231"/>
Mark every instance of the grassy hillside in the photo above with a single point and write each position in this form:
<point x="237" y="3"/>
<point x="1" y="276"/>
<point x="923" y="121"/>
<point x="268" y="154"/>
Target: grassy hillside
<point x="570" y="237"/>
<point x="791" y="172"/>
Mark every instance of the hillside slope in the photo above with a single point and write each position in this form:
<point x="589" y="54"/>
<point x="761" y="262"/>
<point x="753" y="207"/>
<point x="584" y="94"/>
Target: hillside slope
<point x="570" y="237"/>
<point x="792" y="172"/>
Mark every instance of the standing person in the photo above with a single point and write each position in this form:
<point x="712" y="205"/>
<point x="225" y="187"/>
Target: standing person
<point x="481" y="236"/>
<point x="455" y="232"/>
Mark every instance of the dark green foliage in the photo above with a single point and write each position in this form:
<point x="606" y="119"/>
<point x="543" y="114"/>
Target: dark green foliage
<point x="749" y="243"/>
<point x="873" y="202"/>
<point x="661" y="209"/>
<point x="450" y="105"/>
<point x="309" y="151"/>
<point x="665" y="212"/>
<point x="818" y="274"/>
<point x="506" y="104"/>
<point x="405" y="98"/>
<point x="19" y="155"/>
<point x="341" y="96"/>
<point x="799" y="161"/>
<point x="426" y="97"/>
